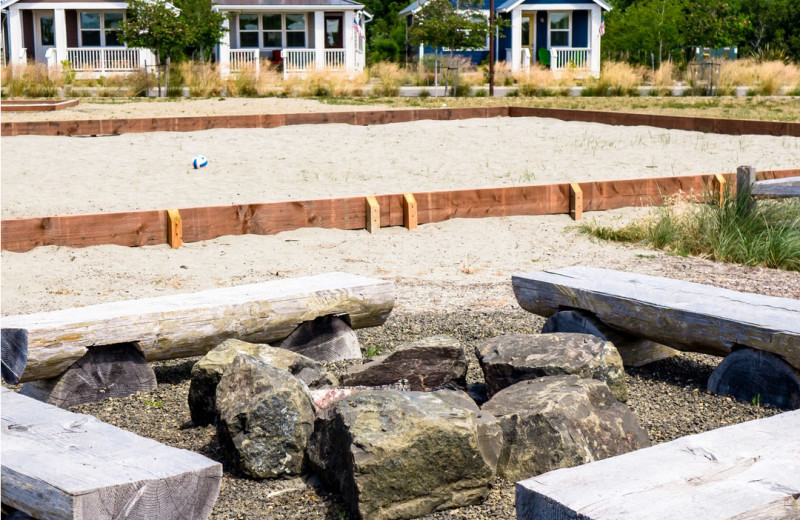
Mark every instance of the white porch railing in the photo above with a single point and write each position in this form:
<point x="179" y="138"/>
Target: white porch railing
<point x="104" y="60"/>
<point x="334" y="59"/>
<point x="526" y="59"/>
<point x="242" y="59"/>
<point x="298" y="60"/>
<point x="562" y="58"/>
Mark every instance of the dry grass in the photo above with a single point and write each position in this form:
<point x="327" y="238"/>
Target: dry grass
<point x="764" y="78"/>
<point x="386" y="79"/>
<point x="33" y="81"/>
<point x="666" y="75"/>
<point x="324" y="83"/>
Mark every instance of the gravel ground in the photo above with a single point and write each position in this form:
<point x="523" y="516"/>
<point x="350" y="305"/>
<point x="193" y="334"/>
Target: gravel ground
<point x="669" y="397"/>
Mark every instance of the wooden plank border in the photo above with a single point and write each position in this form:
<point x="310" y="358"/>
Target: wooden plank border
<point x="380" y="117"/>
<point x="141" y="228"/>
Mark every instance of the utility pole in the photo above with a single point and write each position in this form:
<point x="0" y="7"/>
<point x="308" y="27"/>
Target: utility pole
<point x="492" y="34"/>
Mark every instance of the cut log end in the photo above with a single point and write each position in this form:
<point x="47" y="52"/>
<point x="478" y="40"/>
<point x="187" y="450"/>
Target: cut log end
<point x="327" y="338"/>
<point x="108" y="371"/>
<point x="14" y="354"/>
<point x="635" y="352"/>
<point x="758" y="377"/>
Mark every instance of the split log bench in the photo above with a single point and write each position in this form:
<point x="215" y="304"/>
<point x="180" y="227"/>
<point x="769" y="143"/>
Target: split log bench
<point x="87" y="353"/>
<point x="749" y="471"/>
<point x="759" y="335"/>
<point x="61" y="465"/>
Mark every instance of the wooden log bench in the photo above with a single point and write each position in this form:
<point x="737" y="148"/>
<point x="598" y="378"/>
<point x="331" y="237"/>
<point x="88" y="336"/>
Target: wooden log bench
<point x="61" y="465"/>
<point x="749" y="471"/>
<point x="86" y="353"/>
<point x="759" y="335"/>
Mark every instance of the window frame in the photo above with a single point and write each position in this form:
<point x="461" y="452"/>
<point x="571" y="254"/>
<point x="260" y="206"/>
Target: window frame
<point x="257" y="30"/>
<point x="102" y="29"/>
<point x="550" y="30"/>
<point x="261" y="31"/>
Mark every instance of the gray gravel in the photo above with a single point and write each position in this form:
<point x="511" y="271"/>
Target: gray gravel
<point x="668" y="396"/>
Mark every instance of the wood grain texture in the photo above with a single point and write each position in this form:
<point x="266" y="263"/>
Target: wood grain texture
<point x="103" y="372"/>
<point x="719" y="184"/>
<point x="410" y="218"/>
<point x="61" y="465"/>
<point x="683" y="315"/>
<point x="373" y="218"/>
<point x="575" y="201"/>
<point x="758" y="377"/>
<point x="789" y="187"/>
<point x="183" y="325"/>
<point x="730" y="473"/>
<point x="175" y="229"/>
<point x="14" y="354"/>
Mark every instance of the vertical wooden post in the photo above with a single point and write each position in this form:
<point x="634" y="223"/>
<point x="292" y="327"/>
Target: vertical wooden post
<point x="575" y="201"/>
<point x="718" y="185"/>
<point x="745" y="178"/>
<point x="373" y="222"/>
<point x="409" y="211"/>
<point x="174" y="229"/>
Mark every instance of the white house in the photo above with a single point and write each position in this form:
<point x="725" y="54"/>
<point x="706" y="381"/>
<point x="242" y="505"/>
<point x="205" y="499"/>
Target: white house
<point x="302" y="34"/>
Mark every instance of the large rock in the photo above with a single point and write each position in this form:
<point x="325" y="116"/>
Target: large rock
<point x="266" y="418"/>
<point x="558" y="422"/>
<point x="507" y="360"/>
<point x="327" y="338"/>
<point x="400" y="454"/>
<point x="426" y="364"/>
<point x="207" y="372"/>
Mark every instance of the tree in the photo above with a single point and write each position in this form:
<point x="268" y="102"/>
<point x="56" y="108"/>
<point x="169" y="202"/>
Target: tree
<point x="156" y="25"/>
<point x="649" y="27"/>
<point x="439" y="23"/>
<point x="204" y="26"/>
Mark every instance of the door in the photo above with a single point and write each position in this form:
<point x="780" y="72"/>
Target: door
<point x="529" y="35"/>
<point x="334" y="31"/>
<point x="44" y="30"/>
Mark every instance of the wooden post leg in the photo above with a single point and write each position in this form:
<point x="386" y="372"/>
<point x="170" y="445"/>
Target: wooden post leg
<point x="14" y="354"/>
<point x="409" y="211"/>
<point x="575" y="201"/>
<point x="745" y="178"/>
<point x="718" y="186"/>
<point x="108" y="371"/>
<point x="373" y="221"/>
<point x="758" y="377"/>
<point x="175" y="229"/>
<point x="327" y="338"/>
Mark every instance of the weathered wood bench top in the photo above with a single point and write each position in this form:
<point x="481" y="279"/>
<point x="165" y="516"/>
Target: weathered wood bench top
<point x="190" y="324"/>
<point x="788" y="187"/>
<point x="747" y="471"/>
<point x="683" y="315"/>
<point x="58" y="464"/>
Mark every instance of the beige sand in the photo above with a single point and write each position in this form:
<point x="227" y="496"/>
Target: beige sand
<point x="459" y="264"/>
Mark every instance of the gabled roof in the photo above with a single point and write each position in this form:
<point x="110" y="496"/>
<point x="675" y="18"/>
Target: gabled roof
<point x="415" y="6"/>
<point x="508" y="5"/>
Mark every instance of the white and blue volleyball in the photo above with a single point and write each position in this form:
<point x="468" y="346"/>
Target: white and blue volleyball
<point x="199" y="161"/>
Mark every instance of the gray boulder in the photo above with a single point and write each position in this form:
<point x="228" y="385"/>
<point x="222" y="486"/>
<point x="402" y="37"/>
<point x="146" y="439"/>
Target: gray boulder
<point x="400" y="454"/>
<point x="560" y="422"/>
<point x="507" y="360"/>
<point x="207" y="372"/>
<point x="426" y="364"/>
<point x="266" y="418"/>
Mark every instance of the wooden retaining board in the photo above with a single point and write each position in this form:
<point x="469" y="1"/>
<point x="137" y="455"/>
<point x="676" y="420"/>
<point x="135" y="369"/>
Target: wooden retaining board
<point x="37" y="105"/>
<point x="749" y="471"/>
<point x="183" y="325"/>
<point x="61" y="465"/>
<point x="684" y="315"/>
<point x="140" y="228"/>
<point x="378" y="117"/>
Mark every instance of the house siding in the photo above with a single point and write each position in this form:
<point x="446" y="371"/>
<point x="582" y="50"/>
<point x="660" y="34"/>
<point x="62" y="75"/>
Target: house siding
<point x="580" y="29"/>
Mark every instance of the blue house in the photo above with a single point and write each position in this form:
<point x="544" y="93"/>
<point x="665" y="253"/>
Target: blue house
<point x="552" y="33"/>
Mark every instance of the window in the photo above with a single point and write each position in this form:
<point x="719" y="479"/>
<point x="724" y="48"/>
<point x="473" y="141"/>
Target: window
<point x="248" y="30"/>
<point x="99" y="29"/>
<point x="46" y="31"/>
<point x="295" y="30"/>
<point x="267" y="30"/>
<point x="273" y="27"/>
<point x="559" y="29"/>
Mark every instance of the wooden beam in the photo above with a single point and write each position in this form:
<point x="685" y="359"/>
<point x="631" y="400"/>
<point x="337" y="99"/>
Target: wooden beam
<point x="174" y="229"/>
<point x="575" y="201"/>
<point x="58" y="464"/>
<point x="777" y="188"/>
<point x="183" y="325"/>
<point x="14" y="354"/>
<point x="718" y="187"/>
<point x="683" y="315"/>
<point x="746" y="471"/>
<point x="409" y="211"/>
<point x="373" y="220"/>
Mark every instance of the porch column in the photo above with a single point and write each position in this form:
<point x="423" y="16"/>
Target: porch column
<point x="349" y="44"/>
<point x="60" y="22"/>
<point x="594" y="41"/>
<point x="516" y="39"/>
<point x="15" y="44"/>
<point x="319" y="38"/>
<point x="224" y="55"/>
